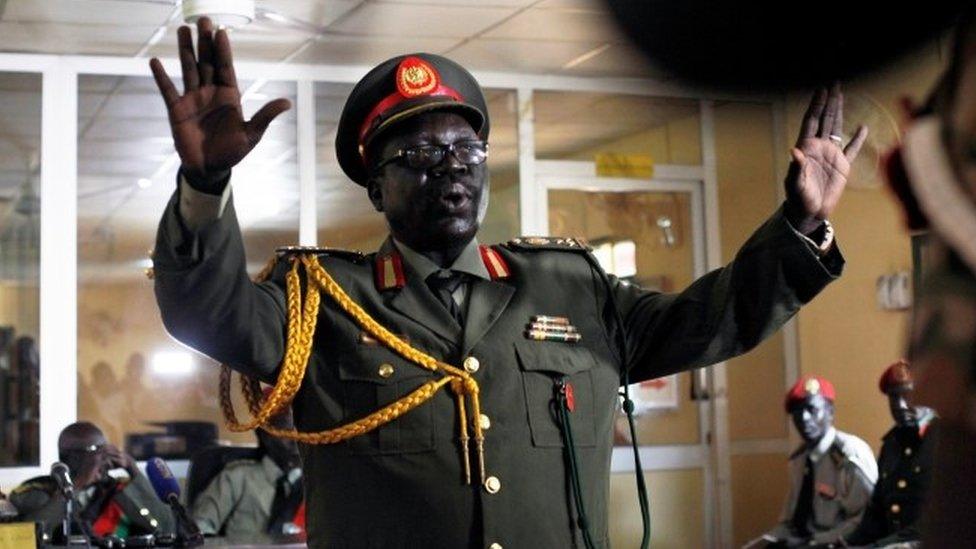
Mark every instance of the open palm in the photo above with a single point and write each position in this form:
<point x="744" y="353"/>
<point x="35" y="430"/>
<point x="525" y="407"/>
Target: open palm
<point x="821" y="164"/>
<point x="209" y="130"/>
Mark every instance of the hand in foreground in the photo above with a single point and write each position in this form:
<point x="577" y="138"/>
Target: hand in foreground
<point x="821" y="162"/>
<point x="209" y="130"/>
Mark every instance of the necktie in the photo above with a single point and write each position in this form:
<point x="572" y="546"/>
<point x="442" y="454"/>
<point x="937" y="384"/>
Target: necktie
<point x="443" y="284"/>
<point x="804" y="505"/>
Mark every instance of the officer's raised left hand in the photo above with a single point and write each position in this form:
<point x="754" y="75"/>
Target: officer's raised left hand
<point x="821" y="162"/>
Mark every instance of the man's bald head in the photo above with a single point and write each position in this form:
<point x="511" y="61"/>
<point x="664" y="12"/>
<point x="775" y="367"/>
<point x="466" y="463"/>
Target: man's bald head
<point x="82" y="435"/>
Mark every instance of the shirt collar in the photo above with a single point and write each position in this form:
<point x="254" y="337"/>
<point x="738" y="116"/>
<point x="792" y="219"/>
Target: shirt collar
<point x="468" y="262"/>
<point x="823" y="446"/>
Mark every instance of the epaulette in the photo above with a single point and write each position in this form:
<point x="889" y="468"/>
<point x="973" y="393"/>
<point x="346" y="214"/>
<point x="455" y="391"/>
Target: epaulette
<point x="351" y="255"/>
<point x="558" y="243"/>
<point x="43" y="483"/>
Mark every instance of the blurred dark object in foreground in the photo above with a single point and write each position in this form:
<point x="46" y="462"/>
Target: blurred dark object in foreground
<point x="179" y="441"/>
<point x="778" y="46"/>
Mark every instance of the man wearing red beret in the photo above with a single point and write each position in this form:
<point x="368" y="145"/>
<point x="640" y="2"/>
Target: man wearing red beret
<point x="905" y="464"/>
<point x="832" y="472"/>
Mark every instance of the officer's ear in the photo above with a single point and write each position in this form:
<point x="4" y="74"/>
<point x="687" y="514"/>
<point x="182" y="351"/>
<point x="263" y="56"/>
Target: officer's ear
<point x="374" y="190"/>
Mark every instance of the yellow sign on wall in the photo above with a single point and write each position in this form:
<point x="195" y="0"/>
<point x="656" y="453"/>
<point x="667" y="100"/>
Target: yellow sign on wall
<point x="17" y="535"/>
<point x="638" y="166"/>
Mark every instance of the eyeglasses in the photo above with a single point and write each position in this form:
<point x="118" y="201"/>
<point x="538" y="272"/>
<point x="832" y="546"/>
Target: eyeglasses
<point x="424" y="157"/>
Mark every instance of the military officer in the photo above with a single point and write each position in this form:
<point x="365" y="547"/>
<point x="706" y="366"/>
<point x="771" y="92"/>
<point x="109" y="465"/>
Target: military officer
<point x="530" y="324"/>
<point x="905" y="464"/>
<point x="832" y="473"/>
<point x="104" y="504"/>
<point x="255" y="497"/>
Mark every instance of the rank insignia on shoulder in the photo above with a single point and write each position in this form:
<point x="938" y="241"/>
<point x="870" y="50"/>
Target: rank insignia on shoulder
<point x="551" y="328"/>
<point x="354" y="255"/>
<point x="549" y="243"/>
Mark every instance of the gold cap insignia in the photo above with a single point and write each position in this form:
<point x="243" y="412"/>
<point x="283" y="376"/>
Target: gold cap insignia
<point x="812" y="387"/>
<point x="416" y="77"/>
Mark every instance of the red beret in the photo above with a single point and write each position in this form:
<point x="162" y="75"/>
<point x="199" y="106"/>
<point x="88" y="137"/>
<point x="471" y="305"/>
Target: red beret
<point x="896" y="376"/>
<point x="808" y="386"/>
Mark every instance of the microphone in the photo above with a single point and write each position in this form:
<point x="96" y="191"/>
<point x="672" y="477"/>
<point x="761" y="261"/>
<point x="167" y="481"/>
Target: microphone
<point x="61" y="475"/>
<point x="168" y="489"/>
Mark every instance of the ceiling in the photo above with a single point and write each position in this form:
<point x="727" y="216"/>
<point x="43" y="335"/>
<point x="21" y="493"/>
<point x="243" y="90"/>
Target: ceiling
<point x="571" y="37"/>
<point x="124" y="135"/>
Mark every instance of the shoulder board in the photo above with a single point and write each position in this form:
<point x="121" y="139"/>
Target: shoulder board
<point x="42" y="483"/>
<point x="558" y="243"/>
<point x="352" y="255"/>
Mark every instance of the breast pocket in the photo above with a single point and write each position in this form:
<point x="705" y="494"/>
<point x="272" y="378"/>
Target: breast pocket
<point x="373" y="378"/>
<point x="543" y="364"/>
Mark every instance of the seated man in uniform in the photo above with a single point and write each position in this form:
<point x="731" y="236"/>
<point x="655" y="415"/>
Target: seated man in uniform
<point x="832" y="473"/>
<point x="905" y="465"/>
<point x="507" y="330"/>
<point x="112" y="496"/>
<point x="256" y="497"/>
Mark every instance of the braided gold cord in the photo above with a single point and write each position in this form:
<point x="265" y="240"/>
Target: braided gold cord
<point x="301" y="323"/>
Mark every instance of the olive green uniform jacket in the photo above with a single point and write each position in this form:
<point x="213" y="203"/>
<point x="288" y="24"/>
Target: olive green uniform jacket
<point x="39" y="500"/>
<point x="402" y="485"/>
<point x="844" y="473"/>
<point x="238" y="501"/>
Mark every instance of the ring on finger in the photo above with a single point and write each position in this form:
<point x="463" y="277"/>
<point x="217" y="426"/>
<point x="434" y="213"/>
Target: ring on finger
<point x="839" y="139"/>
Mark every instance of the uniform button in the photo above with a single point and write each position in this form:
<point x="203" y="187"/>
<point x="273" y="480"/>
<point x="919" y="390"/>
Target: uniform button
<point x="895" y="508"/>
<point x="493" y="485"/>
<point x="495" y="546"/>
<point x="485" y="422"/>
<point x="471" y="365"/>
<point x="918" y="468"/>
<point x="908" y="451"/>
<point x="153" y="522"/>
<point x="144" y="512"/>
<point x="386" y="370"/>
<point x="901" y="483"/>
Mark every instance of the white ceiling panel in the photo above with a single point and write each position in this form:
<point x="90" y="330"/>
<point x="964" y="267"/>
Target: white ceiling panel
<point x="619" y="60"/>
<point x="368" y="50"/>
<point x="321" y="13"/>
<point x="73" y="39"/>
<point x="420" y="20"/>
<point x="468" y="3"/>
<point x="578" y="5"/>
<point x="519" y="55"/>
<point x="114" y="12"/>
<point x="251" y="45"/>
<point x="559" y="25"/>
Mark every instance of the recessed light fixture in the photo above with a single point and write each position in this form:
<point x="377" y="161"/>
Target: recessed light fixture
<point x="223" y="13"/>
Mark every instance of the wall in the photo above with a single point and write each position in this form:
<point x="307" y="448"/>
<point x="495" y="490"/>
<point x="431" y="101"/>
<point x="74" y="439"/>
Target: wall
<point x="853" y="348"/>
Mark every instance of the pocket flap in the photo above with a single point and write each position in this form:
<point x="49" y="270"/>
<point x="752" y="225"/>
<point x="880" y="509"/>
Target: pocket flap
<point x="553" y="357"/>
<point x="380" y="366"/>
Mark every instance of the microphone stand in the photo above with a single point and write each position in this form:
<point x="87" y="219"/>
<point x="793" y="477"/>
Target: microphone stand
<point x="187" y="532"/>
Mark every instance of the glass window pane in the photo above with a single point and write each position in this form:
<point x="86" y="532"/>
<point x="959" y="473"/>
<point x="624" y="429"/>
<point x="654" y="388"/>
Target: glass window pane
<point x="580" y="126"/>
<point x="20" y="150"/>
<point x="131" y="373"/>
<point x="346" y="218"/>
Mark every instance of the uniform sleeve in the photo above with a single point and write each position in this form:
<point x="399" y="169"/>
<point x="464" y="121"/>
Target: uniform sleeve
<point x="206" y="299"/>
<point x="854" y="501"/>
<point x="142" y="494"/>
<point x="216" y="503"/>
<point x="727" y="311"/>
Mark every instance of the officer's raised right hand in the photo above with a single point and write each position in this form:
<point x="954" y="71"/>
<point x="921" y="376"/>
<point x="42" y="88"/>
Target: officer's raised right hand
<point x="209" y="130"/>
